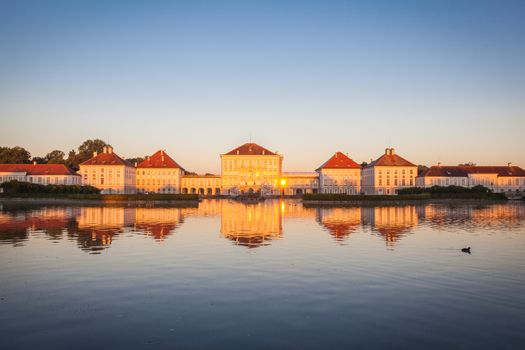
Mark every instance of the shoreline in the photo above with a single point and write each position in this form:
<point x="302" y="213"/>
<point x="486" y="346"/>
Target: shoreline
<point x="194" y="203"/>
<point x="180" y="203"/>
<point x="375" y="203"/>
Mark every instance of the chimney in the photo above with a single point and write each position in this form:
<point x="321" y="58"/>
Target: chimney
<point x="509" y="164"/>
<point x="162" y="157"/>
<point x="95" y="154"/>
<point x="439" y="163"/>
<point x="104" y="149"/>
<point x="336" y="154"/>
<point x="110" y="149"/>
<point x="263" y="152"/>
<point x="136" y="164"/>
<point x="387" y="151"/>
<point x="237" y="151"/>
<point x="392" y="151"/>
<point x="34" y="162"/>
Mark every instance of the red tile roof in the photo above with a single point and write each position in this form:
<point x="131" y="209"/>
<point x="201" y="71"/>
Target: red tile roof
<point x="340" y="161"/>
<point x="107" y="158"/>
<point x="464" y="171"/>
<point x="390" y="159"/>
<point x="159" y="159"/>
<point x="38" y="169"/>
<point x="251" y="149"/>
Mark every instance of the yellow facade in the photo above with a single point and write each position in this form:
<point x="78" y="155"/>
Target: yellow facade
<point x="346" y="181"/>
<point x="246" y="173"/>
<point x="159" y="180"/>
<point x="299" y="183"/>
<point x="201" y="184"/>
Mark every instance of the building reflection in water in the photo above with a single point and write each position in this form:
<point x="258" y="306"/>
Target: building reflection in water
<point x="339" y="222"/>
<point x="391" y="223"/>
<point x="497" y="216"/>
<point x="251" y="225"/>
<point x="17" y="225"/>
<point x="157" y="222"/>
<point x="97" y="226"/>
<point x="248" y="225"/>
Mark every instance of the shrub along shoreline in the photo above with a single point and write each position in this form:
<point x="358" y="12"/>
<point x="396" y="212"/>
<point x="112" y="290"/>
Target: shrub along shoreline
<point x="104" y="197"/>
<point x="27" y="190"/>
<point x="412" y="194"/>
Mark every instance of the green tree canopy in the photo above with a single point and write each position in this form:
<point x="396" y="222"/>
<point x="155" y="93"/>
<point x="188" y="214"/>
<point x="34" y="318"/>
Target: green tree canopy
<point x="421" y="169"/>
<point x="136" y="159"/>
<point x="85" y="152"/>
<point x="39" y="160"/>
<point x="14" y="155"/>
<point x="56" y="157"/>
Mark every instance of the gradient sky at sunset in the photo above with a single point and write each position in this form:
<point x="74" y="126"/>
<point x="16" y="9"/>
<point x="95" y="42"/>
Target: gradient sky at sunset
<point x="438" y="80"/>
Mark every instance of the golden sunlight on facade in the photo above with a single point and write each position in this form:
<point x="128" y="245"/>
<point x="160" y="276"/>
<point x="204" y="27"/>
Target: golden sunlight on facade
<point x="108" y="172"/>
<point x="298" y="183"/>
<point x="207" y="184"/>
<point x="251" y="168"/>
<point x="159" y="173"/>
<point x="340" y="174"/>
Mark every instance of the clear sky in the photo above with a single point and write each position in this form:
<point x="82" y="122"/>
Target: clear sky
<point x="438" y="80"/>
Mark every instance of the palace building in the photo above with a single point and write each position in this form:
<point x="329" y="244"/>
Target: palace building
<point x="251" y="168"/>
<point x="497" y="178"/>
<point x="159" y="173"/>
<point x="298" y="183"/>
<point x="388" y="174"/>
<point x="42" y="174"/>
<point x="207" y="184"/>
<point x="109" y="173"/>
<point x="340" y="174"/>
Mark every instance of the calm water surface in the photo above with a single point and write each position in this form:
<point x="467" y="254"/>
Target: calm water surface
<point x="274" y="274"/>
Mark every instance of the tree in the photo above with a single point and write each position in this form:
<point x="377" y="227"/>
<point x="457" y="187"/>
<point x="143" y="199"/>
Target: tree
<point x="137" y="160"/>
<point x="85" y="152"/>
<point x="15" y="155"/>
<point x="364" y="164"/>
<point x="56" y="157"/>
<point x="86" y="149"/>
<point x="421" y="169"/>
<point x="39" y="160"/>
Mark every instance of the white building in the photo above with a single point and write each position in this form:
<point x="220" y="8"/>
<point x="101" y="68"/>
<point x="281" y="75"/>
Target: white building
<point x="109" y="173"/>
<point x="497" y="178"/>
<point x="42" y="174"/>
<point x="340" y="174"/>
<point x="388" y="174"/>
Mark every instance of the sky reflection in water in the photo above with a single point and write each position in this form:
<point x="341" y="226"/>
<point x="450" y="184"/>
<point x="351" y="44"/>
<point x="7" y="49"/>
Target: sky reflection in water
<point x="273" y="274"/>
